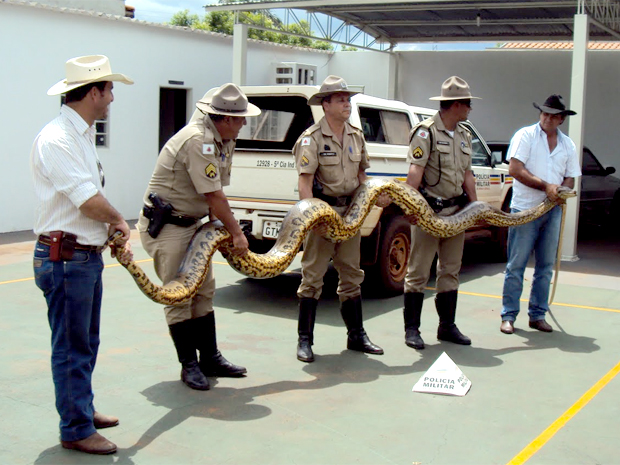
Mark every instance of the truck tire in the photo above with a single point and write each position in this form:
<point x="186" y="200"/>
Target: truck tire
<point x="387" y="275"/>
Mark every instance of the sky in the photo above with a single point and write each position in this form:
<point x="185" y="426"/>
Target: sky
<point x="161" y="11"/>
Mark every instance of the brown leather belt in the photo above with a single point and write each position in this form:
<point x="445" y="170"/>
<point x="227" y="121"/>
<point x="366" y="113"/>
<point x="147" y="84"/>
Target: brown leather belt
<point x="46" y="240"/>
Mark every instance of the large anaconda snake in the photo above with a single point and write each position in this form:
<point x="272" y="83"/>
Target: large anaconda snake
<point x="302" y="217"/>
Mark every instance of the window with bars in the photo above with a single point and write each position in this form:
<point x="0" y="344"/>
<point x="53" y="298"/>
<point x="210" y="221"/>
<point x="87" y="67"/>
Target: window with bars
<point x="101" y="128"/>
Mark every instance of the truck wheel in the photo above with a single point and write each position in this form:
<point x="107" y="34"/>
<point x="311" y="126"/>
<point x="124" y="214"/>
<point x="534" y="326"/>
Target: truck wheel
<point x="387" y="276"/>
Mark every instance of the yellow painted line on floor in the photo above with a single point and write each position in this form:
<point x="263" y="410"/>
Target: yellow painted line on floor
<point x="558" y="424"/>
<point x="558" y="304"/>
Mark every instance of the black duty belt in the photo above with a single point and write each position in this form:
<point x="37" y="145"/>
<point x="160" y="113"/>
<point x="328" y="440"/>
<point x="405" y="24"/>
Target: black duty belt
<point x="342" y="201"/>
<point x="438" y="204"/>
<point x="46" y="240"/>
<point x="175" y="219"/>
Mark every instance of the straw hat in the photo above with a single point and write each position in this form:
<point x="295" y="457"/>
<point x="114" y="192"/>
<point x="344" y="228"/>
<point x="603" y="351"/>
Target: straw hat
<point x="228" y="100"/>
<point x="555" y="105"/>
<point x="454" y="88"/>
<point x="84" y="70"/>
<point x="331" y="85"/>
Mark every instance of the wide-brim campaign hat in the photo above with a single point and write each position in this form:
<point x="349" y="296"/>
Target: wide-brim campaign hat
<point x="331" y="85"/>
<point x="454" y="88"/>
<point x="227" y="100"/>
<point x="84" y="70"/>
<point x="554" y="105"/>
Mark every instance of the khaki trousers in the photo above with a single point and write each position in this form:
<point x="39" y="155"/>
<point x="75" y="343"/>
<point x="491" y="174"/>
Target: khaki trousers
<point x="315" y="261"/>
<point x="168" y="251"/>
<point x="424" y="247"/>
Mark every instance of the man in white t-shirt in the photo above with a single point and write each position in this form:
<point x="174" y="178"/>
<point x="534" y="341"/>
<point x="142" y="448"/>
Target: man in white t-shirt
<point x="541" y="159"/>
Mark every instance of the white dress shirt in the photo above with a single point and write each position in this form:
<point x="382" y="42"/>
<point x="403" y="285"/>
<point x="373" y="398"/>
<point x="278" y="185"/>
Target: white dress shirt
<point x="66" y="173"/>
<point x="530" y="146"/>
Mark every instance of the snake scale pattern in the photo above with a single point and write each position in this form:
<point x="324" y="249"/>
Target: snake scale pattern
<point x="306" y="214"/>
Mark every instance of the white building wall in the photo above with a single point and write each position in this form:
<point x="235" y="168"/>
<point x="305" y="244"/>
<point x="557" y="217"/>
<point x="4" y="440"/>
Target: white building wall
<point x="41" y="40"/>
<point x="510" y="80"/>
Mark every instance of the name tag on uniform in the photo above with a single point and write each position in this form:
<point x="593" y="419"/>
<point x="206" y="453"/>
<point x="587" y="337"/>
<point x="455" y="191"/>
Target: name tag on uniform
<point x="442" y="142"/>
<point x="327" y="154"/>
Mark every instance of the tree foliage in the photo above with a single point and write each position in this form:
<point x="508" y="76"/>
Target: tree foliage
<point x="224" y="21"/>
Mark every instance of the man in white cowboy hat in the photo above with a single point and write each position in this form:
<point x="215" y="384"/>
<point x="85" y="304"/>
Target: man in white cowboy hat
<point x="440" y="168"/>
<point x="187" y="185"/>
<point x="73" y="221"/>
<point x="542" y="159"/>
<point x="331" y="159"/>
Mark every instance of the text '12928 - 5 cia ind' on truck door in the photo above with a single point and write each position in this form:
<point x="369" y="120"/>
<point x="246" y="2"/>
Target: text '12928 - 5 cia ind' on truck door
<point x="264" y="179"/>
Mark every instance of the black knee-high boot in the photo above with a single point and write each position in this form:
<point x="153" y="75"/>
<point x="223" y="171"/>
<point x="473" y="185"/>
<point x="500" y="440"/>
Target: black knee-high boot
<point x="182" y="336"/>
<point x="305" y="328"/>
<point x="351" y="311"/>
<point x="212" y="362"/>
<point x="446" y="308"/>
<point x="412" y="314"/>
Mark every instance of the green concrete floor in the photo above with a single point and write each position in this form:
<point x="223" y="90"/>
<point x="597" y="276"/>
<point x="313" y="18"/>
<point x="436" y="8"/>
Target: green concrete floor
<point x="535" y="397"/>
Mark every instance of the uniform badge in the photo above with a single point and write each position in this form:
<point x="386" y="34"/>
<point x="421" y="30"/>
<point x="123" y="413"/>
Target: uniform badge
<point x="304" y="161"/>
<point x="305" y="141"/>
<point x="208" y="149"/>
<point x="462" y="144"/>
<point x="211" y="171"/>
<point x="422" y="134"/>
<point x="326" y="147"/>
<point x="417" y="153"/>
<point x="350" y="149"/>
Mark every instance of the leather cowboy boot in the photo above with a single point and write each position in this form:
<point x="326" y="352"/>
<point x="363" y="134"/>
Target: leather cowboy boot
<point x="212" y="362"/>
<point x="351" y="311"/>
<point x="182" y="337"/>
<point x="305" y="328"/>
<point x="412" y="313"/>
<point x="446" y="308"/>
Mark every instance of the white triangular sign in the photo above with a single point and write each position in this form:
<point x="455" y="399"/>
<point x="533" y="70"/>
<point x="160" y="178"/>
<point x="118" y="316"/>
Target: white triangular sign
<point x="443" y="377"/>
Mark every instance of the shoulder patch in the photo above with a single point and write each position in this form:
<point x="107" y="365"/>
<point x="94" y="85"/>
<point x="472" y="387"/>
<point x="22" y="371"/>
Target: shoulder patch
<point x="211" y="171"/>
<point x="304" y="161"/>
<point x="422" y="133"/>
<point x="208" y="149"/>
<point x="305" y="141"/>
<point x="417" y="153"/>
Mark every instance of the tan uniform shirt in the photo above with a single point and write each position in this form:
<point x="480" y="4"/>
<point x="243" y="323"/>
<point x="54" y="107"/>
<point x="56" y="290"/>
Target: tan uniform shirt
<point x="445" y="158"/>
<point x="194" y="162"/>
<point x="335" y="166"/>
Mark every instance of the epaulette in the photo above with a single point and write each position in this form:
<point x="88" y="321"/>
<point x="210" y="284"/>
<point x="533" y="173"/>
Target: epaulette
<point x="312" y="129"/>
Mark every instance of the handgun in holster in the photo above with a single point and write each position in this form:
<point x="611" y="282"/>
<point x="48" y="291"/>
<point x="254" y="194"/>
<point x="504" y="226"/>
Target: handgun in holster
<point x="317" y="188"/>
<point x="159" y="215"/>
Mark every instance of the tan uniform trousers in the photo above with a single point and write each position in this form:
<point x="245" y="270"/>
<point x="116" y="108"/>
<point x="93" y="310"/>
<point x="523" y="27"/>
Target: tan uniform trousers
<point x="449" y="257"/>
<point x="315" y="261"/>
<point x="168" y="251"/>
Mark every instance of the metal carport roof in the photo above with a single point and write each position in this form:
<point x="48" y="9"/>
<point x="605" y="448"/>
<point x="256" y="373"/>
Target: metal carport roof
<point x="397" y="21"/>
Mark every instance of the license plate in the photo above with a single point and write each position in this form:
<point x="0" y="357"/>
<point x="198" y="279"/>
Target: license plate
<point x="271" y="229"/>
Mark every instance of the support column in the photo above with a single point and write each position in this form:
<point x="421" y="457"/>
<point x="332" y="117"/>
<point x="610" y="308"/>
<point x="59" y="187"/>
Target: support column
<point x="575" y="129"/>
<point x="240" y="54"/>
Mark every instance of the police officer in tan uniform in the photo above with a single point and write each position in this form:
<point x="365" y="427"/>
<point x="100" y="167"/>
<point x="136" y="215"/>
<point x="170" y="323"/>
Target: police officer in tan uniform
<point x="440" y="168"/>
<point x="331" y="160"/>
<point x="185" y="187"/>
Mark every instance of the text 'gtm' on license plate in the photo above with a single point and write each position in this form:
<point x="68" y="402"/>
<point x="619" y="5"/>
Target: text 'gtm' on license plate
<point x="271" y="229"/>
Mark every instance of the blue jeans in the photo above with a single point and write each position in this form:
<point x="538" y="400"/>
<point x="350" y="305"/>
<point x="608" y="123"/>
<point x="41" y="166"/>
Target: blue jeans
<point x="540" y="236"/>
<point x="73" y="291"/>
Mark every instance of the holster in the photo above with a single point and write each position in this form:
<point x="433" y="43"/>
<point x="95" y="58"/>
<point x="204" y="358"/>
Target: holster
<point x="158" y="215"/>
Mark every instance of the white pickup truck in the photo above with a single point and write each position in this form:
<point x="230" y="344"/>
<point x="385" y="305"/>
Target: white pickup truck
<point x="264" y="179"/>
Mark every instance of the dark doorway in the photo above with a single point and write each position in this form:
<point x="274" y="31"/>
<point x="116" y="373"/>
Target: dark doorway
<point x="172" y="113"/>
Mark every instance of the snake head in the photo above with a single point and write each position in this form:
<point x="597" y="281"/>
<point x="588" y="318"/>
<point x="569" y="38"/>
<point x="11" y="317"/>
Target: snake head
<point x="565" y="193"/>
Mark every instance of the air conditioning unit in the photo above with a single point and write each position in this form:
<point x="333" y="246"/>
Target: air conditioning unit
<point x="290" y="73"/>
